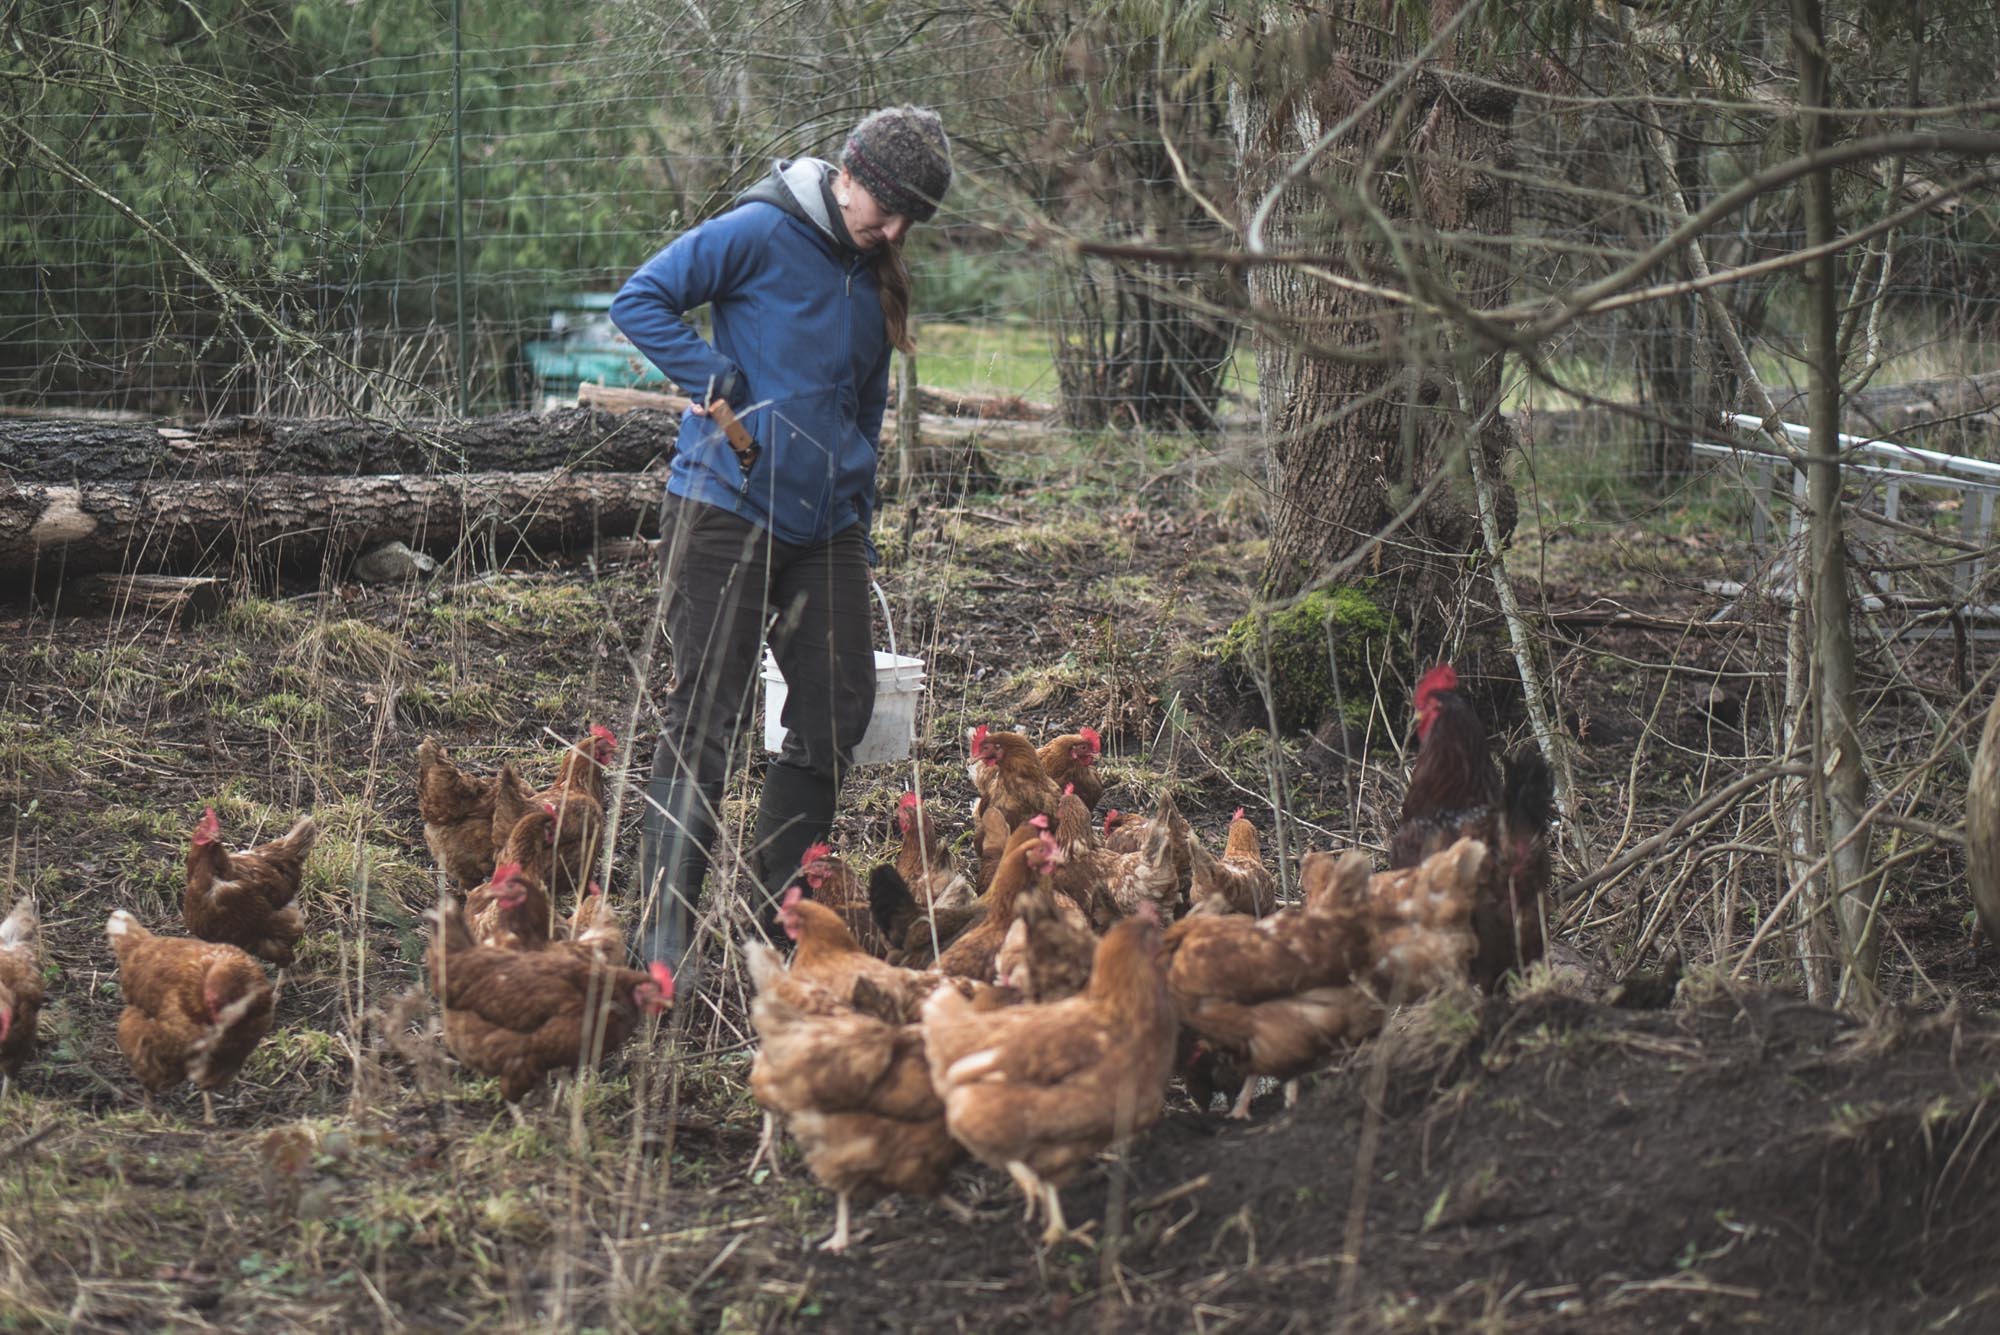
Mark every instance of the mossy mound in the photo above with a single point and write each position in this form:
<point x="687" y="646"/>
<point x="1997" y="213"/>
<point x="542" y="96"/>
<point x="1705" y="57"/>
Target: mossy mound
<point x="1322" y="656"/>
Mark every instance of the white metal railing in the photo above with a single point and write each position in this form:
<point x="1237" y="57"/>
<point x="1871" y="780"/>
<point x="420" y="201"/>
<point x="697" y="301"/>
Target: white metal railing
<point x="1975" y="482"/>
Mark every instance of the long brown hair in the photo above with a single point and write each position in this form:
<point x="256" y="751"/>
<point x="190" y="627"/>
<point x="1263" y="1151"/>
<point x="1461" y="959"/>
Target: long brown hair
<point x="893" y="276"/>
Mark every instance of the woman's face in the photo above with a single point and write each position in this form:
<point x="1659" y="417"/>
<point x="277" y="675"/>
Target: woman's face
<point x="866" y="220"/>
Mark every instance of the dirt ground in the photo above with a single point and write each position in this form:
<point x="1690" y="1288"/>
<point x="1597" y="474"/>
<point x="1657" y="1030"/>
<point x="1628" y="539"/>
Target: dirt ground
<point x="1535" y="1163"/>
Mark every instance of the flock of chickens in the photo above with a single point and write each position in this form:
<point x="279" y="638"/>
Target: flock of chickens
<point x="1039" y="1022"/>
<point x="1031" y="1016"/>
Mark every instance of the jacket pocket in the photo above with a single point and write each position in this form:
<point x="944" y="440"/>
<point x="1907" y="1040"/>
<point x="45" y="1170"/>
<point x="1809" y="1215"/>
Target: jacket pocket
<point x="803" y="439"/>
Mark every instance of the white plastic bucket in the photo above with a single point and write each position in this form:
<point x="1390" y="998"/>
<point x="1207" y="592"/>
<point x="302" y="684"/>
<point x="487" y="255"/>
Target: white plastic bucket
<point x="899" y="688"/>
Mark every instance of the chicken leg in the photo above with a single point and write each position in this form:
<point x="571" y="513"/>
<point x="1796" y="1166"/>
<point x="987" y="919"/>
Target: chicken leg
<point x="838" y="1242"/>
<point x="1030" y="1184"/>
<point x="767" y="1144"/>
<point x="1241" y="1112"/>
<point x="1058" y="1229"/>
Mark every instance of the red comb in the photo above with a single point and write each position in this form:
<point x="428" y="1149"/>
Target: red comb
<point x="814" y="854"/>
<point x="593" y="889"/>
<point x="663" y="976"/>
<point x="208" y="828"/>
<point x="1238" y="816"/>
<point x="505" y="872"/>
<point x="1090" y="735"/>
<point x="792" y="897"/>
<point x="907" y="800"/>
<point x="549" y="807"/>
<point x="1110" y="819"/>
<point x="1069" y="790"/>
<point x="978" y="736"/>
<point x="1039" y="821"/>
<point x="1443" y="677"/>
<point x="603" y="734"/>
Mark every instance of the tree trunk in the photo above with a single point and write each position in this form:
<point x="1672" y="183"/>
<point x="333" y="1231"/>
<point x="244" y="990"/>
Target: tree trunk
<point x="1842" y="763"/>
<point x="572" y="438"/>
<point x="56" y="530"/>
<point x="1362" y="421"/>
<point x="1668" y="332"/>
<point x="1982" y="827"/>
<point x="1128" y="356"/>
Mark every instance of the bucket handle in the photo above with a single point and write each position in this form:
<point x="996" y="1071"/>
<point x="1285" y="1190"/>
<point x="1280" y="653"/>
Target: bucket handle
<point x="887" y="623"/>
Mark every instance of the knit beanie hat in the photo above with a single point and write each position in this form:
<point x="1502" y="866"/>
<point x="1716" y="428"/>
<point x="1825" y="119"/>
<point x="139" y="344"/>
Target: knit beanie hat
<point x="900" y="155"/>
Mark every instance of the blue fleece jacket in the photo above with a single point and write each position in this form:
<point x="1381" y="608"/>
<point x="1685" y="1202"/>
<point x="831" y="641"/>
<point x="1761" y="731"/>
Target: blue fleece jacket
<point x="800" y="350"/>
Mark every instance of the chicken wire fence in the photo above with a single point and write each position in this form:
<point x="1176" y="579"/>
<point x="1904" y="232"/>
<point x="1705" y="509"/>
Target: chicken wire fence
<point x="372" y="209"/>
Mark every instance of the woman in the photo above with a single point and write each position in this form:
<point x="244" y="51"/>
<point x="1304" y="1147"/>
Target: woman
<point x="805" y="279"/>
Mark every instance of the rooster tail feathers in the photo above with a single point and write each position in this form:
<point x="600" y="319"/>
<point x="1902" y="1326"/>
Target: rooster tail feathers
<point x="890" y="902"/>
<point x="1529" y="792"/>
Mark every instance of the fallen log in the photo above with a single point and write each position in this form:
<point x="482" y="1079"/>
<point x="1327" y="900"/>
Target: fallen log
<point x="59" y="530"/>
<point x="181" y="599"/>
<point x="577" y="439"/>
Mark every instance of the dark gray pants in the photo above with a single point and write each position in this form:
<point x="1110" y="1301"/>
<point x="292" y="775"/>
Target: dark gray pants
<point x="731" y="587"/>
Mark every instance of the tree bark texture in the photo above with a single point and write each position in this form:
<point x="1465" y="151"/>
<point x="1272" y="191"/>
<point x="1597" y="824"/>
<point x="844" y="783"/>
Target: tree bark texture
<point x="1841" y="760"/>
<point x="204" y="525"/>
<point x="1360" y="427"/>
<point x="577" y="439"/>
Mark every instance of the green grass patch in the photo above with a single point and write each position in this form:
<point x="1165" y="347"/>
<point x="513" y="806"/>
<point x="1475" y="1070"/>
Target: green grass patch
<point x="1002" y="357"/>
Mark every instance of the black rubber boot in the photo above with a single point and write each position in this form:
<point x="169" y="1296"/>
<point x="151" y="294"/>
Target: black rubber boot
<point x="795" y="812"/>
<point x="675" y="836"/>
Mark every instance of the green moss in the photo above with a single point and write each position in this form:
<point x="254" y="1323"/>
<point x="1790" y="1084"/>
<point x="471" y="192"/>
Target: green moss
<point x="1321" y="656"/>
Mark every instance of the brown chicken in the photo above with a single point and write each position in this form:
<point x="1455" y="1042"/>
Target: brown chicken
<point x="908" y="930"/>
<point x="1456" y="792"/>
<point x="828" y="957"/>
<point x="1280" y="995"/>
<point x="20" y="988"/>
<point x="924" y="860"/>
<point x="1046" y="955"/>
<point x="519" y="1015"/>
<point x="1112" y="885"/>
<point x="577" y="798"/>
<point x="1012" y="786"/>
<point x="854" y="1090"/>
<point x="1236" y="882"/>
<point x="457" y="810"/>
<point x="509" y="912"/>
<point x="1039" y="1090"/>
<point x="1072" y="759"/>
<point x="244" y="899"/>
<point x="1124" y="832"/>
<point x="830" y="881"/>
<point x="596" y="927"/>
<point x="531" y="844"/>
<point x="974" y="951"/>
<point x="194" y="1010"/>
